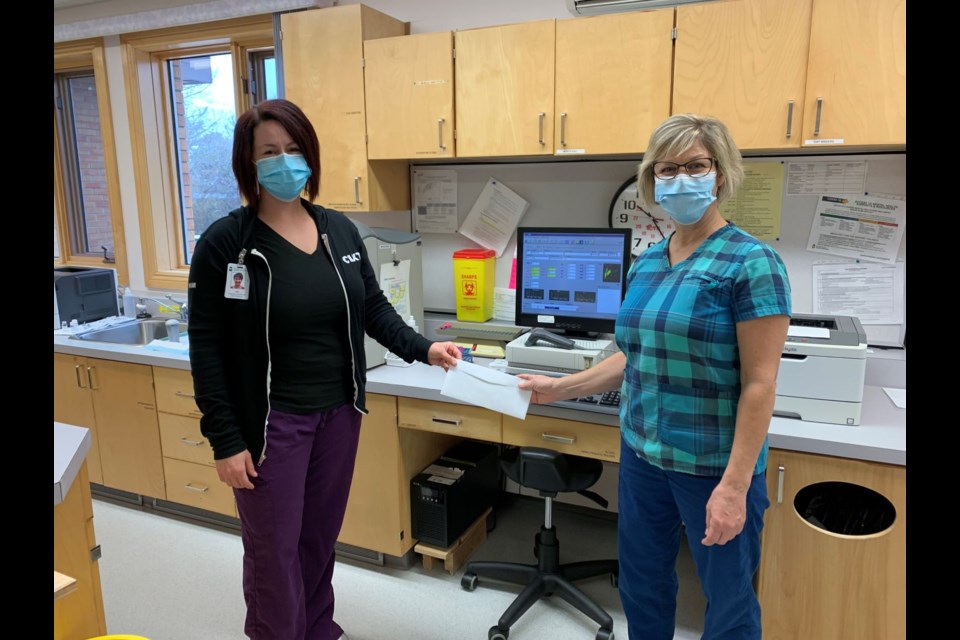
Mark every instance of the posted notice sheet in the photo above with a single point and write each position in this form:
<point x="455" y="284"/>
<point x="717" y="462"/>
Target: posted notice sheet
<point x="873" y="293"/>
<point x="756" y="206"/>
<point x="868" y="227"/>
<point x="435" y="200"/>
<point x="494" y="216"/>
<point x="395" y="282"/>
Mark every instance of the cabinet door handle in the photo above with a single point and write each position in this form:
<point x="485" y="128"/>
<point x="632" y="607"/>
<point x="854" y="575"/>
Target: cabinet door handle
<point x="356" y="189"/>
<point x="198" y="489"/>
<point x="184" y="395"/>
<point x="79" y="383"/>
<point x="780" y="484"/>
<point x="816" y="126"/>
<point x="456" y="423"/>
<point x="789" y="117"/>
<point x="192" y="443"/>
<point x="440" y="133"/>
<point x="553" y="438"/>
<point x="90" y="378"/>
<point x="541" y="116"/>
<point x="563" y="129"/>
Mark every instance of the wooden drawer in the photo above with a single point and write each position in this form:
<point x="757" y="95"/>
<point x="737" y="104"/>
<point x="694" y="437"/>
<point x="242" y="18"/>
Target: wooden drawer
<point x="180" y="439"/>
<point x="577" y="438"/>
<point x="445" y="417"/>
<point x="174" y="389"/>
<point x="197" y="485"/>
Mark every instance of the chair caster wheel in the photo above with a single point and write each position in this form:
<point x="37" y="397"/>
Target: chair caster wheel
<point x="614" y="580"/>
<point x="496" y="633"/>
<point x="469" y="581"/>
<point x="605" y="634"/>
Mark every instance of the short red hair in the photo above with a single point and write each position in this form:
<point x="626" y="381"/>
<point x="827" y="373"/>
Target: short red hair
<point x="296" y="124"/>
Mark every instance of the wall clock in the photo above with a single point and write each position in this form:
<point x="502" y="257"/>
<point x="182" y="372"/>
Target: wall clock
<point x="650" y="223"/>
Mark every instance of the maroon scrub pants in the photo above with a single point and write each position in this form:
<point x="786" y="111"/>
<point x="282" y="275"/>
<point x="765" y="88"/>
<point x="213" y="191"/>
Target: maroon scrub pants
<point x="290" y="521"/>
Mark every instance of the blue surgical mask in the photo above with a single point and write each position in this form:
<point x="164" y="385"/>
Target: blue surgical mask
<point x="686" y="199"/>
<point x="284" y="175"/>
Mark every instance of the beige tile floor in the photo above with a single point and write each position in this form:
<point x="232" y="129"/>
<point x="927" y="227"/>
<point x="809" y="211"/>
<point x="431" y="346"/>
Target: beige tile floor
<point x="167" y="579"/>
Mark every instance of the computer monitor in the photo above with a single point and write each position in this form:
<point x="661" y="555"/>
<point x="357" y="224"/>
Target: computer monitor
<point x="571" y="280"/>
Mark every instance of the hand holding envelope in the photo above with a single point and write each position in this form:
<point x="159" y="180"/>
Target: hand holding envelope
<point x="486" y="388"/>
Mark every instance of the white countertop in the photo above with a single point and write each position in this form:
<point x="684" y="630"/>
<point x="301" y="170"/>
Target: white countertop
<point x="70" y="447"/>
<point x="881" y="436"/>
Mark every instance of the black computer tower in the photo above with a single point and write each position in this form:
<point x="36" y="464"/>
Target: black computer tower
<point x="450" y="494"/>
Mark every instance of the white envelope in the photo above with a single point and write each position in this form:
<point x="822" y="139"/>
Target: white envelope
<point x="486" y="388"/>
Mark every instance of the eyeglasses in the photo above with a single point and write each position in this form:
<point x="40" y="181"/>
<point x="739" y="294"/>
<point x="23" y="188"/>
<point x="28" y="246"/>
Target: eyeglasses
<point x="696" y="168"/>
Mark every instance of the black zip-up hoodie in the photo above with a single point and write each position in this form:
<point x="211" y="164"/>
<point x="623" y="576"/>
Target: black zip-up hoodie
<point x="229" y="349"/>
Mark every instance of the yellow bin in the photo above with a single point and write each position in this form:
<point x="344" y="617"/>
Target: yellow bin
<point x="473" y="271"/>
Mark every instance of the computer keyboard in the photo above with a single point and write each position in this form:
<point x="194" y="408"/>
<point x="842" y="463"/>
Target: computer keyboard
<point x="608" y="402"/>
<point x="481" y="331"/>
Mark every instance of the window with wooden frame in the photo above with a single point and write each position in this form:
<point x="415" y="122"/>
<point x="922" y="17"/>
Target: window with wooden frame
<point x="185" y="88"/>
<point x="87" y="216"/>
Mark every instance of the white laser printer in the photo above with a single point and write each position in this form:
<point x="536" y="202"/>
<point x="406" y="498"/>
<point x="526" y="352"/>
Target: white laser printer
<point x="822" y="369"/>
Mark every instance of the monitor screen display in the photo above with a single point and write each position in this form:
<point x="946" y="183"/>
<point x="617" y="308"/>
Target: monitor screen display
<point x="571" y="279"/>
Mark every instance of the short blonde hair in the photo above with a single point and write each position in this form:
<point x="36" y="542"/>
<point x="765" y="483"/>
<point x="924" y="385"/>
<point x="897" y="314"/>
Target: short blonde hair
<point x="677" y="134"/>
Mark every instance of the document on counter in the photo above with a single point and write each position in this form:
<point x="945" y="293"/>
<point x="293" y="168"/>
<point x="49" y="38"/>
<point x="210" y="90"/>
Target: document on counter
<point x="487" y="388"/>
<point x="898" y="396"/>
<point x="494" y="216"/>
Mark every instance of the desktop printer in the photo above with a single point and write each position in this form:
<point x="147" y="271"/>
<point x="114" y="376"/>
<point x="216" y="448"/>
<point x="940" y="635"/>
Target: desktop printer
<point x="450" y="494"/>
<point x="548" y="359"/>
<point x="84" y="294"/>
<point x="386" y="249"/>
<point x="822" y="369"/>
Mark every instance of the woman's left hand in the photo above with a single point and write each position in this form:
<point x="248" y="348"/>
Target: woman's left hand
<point x="444" y="354"/>
<point x="726" y="514"/>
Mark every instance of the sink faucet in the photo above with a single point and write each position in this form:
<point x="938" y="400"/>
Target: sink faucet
<point x="181" y="306"/>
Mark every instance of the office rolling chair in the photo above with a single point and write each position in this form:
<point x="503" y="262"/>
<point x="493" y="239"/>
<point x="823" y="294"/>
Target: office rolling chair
<point x="550" y="472"/>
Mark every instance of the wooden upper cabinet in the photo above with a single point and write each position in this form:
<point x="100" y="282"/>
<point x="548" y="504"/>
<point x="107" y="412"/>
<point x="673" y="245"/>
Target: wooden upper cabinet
<point x="323" y="75"/>
<point x="857" y="74"/>
<point x="409" y="92"/>
<point x="613" y="81"/>
<point x="504" y="90"/>
<point x="744" y="62"/>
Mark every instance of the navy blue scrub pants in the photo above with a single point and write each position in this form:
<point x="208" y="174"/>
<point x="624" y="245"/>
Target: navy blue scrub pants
<point x="653" y="504"/>
<point x="290" y="521"/>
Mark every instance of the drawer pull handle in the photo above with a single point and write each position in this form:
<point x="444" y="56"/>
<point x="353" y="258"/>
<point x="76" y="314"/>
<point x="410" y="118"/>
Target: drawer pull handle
<point x="455" y="423"/>
<point x="780" y="471"/>
<point x="185" y="395"/>
<point x="553" y="438"/>
<point x="79" y="382"/>
<point x="192" y="443"/>
<point x="198" y="489"/>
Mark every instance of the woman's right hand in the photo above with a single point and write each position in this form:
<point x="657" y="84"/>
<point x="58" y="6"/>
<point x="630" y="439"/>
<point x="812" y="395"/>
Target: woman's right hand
<point x="544" y="387"/>
<point x="236" y="470"/>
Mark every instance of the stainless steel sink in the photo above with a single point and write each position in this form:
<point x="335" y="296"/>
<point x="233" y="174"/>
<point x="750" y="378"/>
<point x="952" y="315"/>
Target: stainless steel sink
<point x="135" y="333"/>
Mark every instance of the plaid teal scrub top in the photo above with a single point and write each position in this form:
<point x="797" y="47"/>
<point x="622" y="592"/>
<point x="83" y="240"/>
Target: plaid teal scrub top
<point x="677" y="328"/>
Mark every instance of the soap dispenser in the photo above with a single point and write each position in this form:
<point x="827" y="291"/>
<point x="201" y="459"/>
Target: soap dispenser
<point x="129" y="304"/>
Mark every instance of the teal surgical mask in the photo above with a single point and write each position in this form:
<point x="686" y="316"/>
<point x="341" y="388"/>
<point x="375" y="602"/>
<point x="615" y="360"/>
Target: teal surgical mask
<point x="686" y="199"/>
<point x="284" y="175"/>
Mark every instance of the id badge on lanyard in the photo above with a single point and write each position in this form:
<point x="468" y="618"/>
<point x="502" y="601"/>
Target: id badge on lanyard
<point x="237" y="286"/>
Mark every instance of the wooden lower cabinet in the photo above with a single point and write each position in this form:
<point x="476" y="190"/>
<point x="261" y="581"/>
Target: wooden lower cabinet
<point x="817" y="584"/>
<point x="79" y="614"/>
<point x="115" y="400"/>
<point x="73" y="404"/>
<point x="378" y="511"/>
